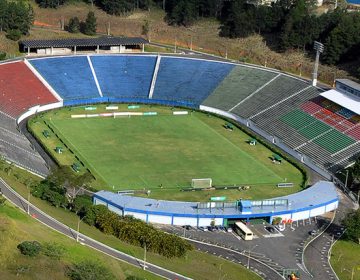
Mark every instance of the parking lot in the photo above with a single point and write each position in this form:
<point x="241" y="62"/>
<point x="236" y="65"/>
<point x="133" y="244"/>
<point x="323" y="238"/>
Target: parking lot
<point x="278" y="249"/>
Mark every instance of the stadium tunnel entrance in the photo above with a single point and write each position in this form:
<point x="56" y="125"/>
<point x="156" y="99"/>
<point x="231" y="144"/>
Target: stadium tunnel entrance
<point x="258" y="220"/>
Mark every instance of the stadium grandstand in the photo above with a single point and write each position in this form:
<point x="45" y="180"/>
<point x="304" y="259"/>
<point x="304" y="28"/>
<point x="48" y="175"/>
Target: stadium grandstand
<point x="20" y="89"/>
<point x="294" y="207"/>
<point x="124" y="76"/>
<point x="320" y="128"/>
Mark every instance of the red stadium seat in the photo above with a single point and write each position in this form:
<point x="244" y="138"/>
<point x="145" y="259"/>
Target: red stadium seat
<point x="20" y="89"/>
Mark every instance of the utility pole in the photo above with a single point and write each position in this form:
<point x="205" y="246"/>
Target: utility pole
<point x="346" y="179"/>
<point x="319" y="49"/>
<point x="78" y="228"/>
<point x="175" y="45"/>
<point x="108" y="28"/>
<point x="28" y="201"/>
<point x="249" y="255"/>
<point x="144" y="267"/>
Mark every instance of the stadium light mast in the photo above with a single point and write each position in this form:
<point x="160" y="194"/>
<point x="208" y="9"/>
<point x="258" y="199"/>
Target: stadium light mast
<point x="319" y="49"/>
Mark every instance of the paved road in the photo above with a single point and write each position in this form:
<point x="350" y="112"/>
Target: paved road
<point x="280" y="251"/>
<point x="241" y="257"/>
<point x="316" y="255"/>
<point x="15" y="198"/>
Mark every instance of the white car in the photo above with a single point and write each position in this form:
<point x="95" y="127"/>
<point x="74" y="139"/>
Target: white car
<point x="280" y="227"/>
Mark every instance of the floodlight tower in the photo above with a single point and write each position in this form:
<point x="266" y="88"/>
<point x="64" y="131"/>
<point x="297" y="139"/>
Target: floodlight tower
<point x="319" y="49"/>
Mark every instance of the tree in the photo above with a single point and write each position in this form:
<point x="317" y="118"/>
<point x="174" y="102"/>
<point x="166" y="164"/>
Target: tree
<point x="2" y="200"/>
<point x="355" y="170"/>
<point x="74" y="25"/>
<point x="80" y="203"/>
<point x="18" y="15"/>
<point x="116" y="7"/>
<point x="145" y="28"/>
<point x="239" y="22"/>
<point x="50" y="3"/>
<point x="87" y="270"/>
<point x="184" y="12"/>
<point x="13" y="34"/>
<point x="352" y="224"/>
<point x="342" y="38"/>
<point x="90" y="24"/>
<point x="9" y="168"/>
<point x="30" y="248"/>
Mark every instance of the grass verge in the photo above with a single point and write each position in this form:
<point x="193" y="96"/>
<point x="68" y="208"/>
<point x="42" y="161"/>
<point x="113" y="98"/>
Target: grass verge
<point x="345" y="260"/>
<point x="196" y="265"/>
<point x="16" y="227"/>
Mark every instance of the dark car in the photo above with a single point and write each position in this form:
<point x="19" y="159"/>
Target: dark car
<point x="270" y="229"/>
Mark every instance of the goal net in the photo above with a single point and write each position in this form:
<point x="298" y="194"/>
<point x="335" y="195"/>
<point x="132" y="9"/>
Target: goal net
<point x="201" y="183"/>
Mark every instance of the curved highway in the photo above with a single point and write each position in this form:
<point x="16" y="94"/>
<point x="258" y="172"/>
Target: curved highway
<point x="16" y="199"/>
<point x="235" y="256"/>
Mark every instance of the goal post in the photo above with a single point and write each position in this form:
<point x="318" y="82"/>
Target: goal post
<point x="201" y="183"/>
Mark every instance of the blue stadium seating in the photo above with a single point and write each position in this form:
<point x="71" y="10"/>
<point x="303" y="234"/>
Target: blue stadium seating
<point x="346" y="113"/>
<point x="124" y="76"/>
<point x="70" y="77"/>
<point x="188" y="80"/>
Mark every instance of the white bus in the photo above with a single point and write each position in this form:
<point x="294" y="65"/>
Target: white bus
<point x="242" y="230"/>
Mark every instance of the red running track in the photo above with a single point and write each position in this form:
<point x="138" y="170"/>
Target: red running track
<point x="20" y="89"/>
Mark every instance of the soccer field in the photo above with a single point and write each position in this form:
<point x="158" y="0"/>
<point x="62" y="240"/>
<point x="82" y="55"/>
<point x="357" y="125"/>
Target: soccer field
<point x="167" y="151"/>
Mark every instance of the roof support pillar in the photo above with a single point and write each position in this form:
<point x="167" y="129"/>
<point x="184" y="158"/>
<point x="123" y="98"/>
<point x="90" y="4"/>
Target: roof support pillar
<point x="28" y="50"/>
<point x="74" y="49"/>
<point x="143" y="47"/>
<point x="97" y="49"/>
<point x="52" y="50"/>
<point x="119" y="48"/>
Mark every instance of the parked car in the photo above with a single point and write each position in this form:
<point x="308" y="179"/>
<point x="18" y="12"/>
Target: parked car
<point x="229" y="229"/>
<point x="280" y="227"/>
<point x="313" y="232"/>
<point x="270" y="229"/>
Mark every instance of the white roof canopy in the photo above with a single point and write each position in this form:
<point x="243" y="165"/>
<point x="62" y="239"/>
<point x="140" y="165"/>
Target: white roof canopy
<point x="347" y="101"/>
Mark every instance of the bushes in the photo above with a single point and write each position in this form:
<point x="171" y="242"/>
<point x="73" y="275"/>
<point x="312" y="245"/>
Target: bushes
<point x="139" y="233"/>
<point x="33" y="248"/>
<point x="53" y="250"/>
<point x="30" y="248"/>
<point x="3" y="56"/>
<point x="87" y="270"/>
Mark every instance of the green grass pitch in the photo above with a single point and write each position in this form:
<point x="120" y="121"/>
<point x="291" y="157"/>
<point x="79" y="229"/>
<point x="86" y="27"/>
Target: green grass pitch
<point x="146" y="152"/>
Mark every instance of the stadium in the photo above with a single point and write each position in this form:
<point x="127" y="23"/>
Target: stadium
<point x="136" y="97"/>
